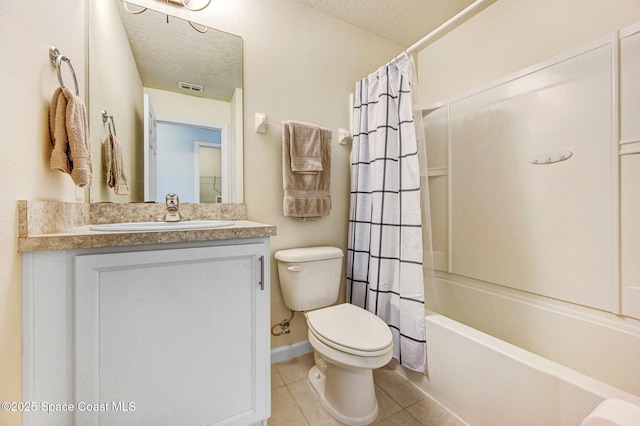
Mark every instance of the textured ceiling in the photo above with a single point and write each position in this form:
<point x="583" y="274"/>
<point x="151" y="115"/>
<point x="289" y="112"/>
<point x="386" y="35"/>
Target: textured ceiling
<point x="170" y="52"/>
<point x="401" y="21"/>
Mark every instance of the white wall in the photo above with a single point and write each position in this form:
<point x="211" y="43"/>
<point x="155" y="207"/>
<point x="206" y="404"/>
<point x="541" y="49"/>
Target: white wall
<point x="189" y="107"/>
<point x="176" y="150"/>
<point x="506" y="37"/>
<point x="26" y="33"/>
<point x="236" y="136"/>
<point x="193" y="109"/>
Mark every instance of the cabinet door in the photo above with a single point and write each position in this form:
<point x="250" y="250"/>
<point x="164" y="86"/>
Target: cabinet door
<point x="172" y="337"/>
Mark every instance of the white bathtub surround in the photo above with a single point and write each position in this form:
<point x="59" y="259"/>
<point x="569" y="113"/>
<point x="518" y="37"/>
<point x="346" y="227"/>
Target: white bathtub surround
<point x="484" y="380"/>
<point x="613" y="412"/>
<point x="384" y="263"/>
<point x="548" y="242"/>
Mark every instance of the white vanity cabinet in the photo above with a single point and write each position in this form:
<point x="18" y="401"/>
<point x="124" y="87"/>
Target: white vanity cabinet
<point x="169" y="334"/>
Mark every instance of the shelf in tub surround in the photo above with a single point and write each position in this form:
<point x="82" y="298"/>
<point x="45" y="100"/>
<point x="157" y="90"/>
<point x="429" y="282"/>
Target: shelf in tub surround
<point x="53" y="225"/>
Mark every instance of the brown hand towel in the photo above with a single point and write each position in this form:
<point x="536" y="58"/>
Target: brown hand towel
<point x="307" y="194"/>
<point x="114" y="165"/>
<point x="70" y="136"/>
<point x="79" y="143"/>
<point x="57" y="112"/>
<point x="305" y="146"/>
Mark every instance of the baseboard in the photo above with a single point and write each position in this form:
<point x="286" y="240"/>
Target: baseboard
<point x="283" y="353"/>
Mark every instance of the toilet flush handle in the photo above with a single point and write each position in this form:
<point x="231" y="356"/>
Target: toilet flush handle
<point x="295" y="268"/>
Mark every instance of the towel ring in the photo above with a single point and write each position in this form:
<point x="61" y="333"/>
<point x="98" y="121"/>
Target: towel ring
<point x="57" y="58"/>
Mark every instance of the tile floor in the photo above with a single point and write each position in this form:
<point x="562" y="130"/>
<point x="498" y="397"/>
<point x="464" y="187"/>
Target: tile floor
<point x="294" y="402"/>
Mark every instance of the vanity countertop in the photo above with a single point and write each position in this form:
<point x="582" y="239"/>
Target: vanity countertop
<point x="48" y="225"/>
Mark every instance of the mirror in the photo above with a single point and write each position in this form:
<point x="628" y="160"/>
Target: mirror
<point x="172" y="97"/>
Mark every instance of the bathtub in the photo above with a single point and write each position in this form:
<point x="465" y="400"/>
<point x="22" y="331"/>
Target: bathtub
<point x="486" y="381"/>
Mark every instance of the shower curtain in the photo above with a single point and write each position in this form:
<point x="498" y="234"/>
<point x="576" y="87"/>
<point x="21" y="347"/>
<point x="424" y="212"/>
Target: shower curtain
<point x="385" y="247"/>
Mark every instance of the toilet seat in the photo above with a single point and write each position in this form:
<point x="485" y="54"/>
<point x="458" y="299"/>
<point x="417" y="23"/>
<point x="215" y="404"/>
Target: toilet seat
<point x="350" y="329"/>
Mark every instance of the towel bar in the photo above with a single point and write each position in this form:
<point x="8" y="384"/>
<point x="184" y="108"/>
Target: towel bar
<point x="261" y="122"/>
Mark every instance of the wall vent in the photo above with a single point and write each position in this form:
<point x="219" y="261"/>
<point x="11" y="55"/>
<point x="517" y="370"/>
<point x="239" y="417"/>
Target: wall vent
<point x="190" y="86"/>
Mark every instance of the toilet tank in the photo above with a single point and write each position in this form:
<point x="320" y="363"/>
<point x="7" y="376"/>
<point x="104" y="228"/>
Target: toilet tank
<point x="310" y="276"/>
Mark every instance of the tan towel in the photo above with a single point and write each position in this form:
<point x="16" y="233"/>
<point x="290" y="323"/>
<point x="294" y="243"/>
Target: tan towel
<point x="307" y="194"/>
<point x="305" y="146"/>
<point x="60" y="156"/>
<point x="69" y="130"/>
<point x="114" y="165"/>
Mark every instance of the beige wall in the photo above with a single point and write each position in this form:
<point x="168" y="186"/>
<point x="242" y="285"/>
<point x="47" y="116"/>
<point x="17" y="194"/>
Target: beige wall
<point x="300" y="65"/>
<point x="511" y="35"/>
<point x="506" y="37"/>
<point x="26" y="32"/>
<point x="297" y="65"/>
<point x="116" y="87"/>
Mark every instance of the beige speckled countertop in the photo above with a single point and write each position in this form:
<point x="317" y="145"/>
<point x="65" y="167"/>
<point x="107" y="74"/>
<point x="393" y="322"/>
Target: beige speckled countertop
<point x="51" y="225"/>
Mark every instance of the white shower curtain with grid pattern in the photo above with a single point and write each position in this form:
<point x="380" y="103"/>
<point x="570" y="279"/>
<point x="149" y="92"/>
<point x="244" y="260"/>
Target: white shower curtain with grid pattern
<point x="385" y="247"/>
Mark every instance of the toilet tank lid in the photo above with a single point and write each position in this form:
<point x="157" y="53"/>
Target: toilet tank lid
<point x="308" y="254"/>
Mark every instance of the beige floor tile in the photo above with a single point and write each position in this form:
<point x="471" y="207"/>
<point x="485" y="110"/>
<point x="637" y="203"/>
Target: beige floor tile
<point x="398" y="388"/>
<point x="386" y="405"/>
<point x="276" y="379"/>
<point x="284" y="410"/>
<point x="310" y="404"/>
<point x="402" y="418"/>
<point x="296" y="368"/>
<point x="430" y="413"/>
<point x="295" y="403"/>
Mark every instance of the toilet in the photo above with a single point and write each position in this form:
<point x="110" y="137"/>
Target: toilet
<point x="349" y="342"/>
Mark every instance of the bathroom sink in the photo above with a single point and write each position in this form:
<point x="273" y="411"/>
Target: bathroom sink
<point x="161" y="226"/>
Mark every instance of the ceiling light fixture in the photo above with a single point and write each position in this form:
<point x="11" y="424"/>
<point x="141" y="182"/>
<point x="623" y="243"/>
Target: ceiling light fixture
<point x="184" y="3"/>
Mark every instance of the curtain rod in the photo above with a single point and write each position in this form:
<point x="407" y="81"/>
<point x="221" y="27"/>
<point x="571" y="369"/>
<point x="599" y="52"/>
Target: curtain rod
<point x="458" y="18"/>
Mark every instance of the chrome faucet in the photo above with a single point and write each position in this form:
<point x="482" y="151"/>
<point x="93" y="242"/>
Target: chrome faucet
<point x="173" y="210"/>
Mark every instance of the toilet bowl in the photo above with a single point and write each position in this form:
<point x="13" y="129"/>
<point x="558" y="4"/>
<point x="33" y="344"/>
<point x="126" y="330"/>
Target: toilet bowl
<point x="349" y="341"/>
